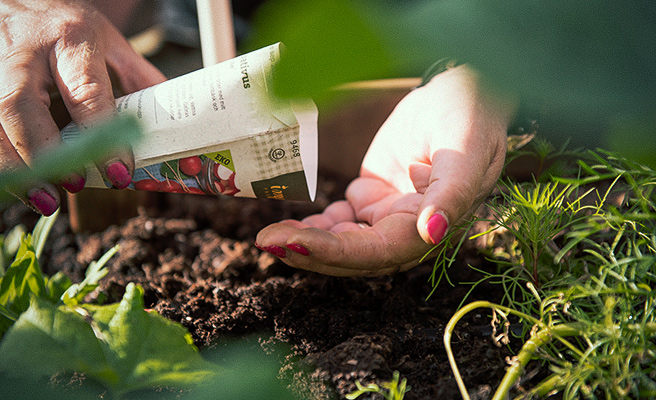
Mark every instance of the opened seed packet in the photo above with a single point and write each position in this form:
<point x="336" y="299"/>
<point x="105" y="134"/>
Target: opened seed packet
<point x="221" y="130"/>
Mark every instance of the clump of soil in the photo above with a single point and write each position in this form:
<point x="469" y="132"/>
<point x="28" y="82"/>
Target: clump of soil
<point x="195" y="258"/>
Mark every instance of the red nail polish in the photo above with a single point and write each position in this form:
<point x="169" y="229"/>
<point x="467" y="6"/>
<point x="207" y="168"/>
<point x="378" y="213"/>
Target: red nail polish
<point x="258" y="246"/>
<point x="44" y="202"/>
<point x="118" y="174"/>
<point x="73" y="183"/>
<point x="297" y="248"/>
<point x="276" y="251"/>
<point x="436" y="227"/>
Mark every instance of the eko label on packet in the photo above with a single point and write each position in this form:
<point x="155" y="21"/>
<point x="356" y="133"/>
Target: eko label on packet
<point x="221" y="130"/>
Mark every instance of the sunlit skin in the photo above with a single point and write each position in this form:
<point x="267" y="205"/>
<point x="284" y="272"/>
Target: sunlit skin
<point x="67" y="46"/>
<point x="432" y="162"/>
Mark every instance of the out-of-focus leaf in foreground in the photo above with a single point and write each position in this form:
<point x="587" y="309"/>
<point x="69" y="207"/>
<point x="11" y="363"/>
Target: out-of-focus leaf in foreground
<point x="329" y="42"/>
<point x="594" y="62"/>
<point x="93" y="145"/>
<point x="120" y="346"/>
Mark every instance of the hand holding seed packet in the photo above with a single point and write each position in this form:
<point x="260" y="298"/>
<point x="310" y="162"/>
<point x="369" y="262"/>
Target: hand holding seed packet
<point x="221" y="130"/>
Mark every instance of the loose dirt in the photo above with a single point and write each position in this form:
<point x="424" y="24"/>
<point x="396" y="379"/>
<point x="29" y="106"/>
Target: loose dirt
<point x="195" y="258"/>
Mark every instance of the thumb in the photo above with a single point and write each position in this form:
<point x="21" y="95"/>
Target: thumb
<point x="458" y="183"/>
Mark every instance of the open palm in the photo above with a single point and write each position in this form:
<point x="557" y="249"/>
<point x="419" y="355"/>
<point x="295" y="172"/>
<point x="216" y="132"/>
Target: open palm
<point x="432" y="162"/>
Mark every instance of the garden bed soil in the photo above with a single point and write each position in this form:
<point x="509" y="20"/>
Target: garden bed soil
<point x="195" y="258"/>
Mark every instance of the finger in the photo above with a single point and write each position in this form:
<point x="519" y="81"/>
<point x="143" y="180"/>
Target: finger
<point x="24" y="108"/>
<point x="335" y="213"/>
<point x="371" y="198"/>
<point x="294" y="253"/>
<point x="364" y="191"/>
<point x="349" y="226"/>
<point x="133" y="71"/>
<point x="458" y="183"/>
<point x="80" y="73"/>
<point x="42" y="197"/>
<point x="364" y="252"/>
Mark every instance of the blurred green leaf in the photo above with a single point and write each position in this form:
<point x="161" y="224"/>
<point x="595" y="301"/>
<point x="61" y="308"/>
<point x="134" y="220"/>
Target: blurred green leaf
<point x="41" y="231"/>
<point x="634" y="139"/>
<point x="119" y="345"/>
<point x="329" y="42"/>
<point x="93" y="145"/>
<point x="590" y="62"/>
<point x="22" y="280"/>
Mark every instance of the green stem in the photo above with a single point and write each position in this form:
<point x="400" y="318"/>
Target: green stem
<point x="529" y="348"/>
<point x="448" y="331"/>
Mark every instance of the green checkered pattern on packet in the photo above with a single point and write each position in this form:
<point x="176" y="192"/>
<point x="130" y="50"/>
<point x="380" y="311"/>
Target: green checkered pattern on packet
<point x="273" y="153"/>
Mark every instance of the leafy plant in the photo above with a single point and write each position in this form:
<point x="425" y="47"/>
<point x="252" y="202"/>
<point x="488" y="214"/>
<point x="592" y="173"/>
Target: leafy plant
<point x="49" y="330"/>
<point x="579" y="274"/>
<point x="23" y="279"/>
<point x="121" y="349"/>
<point x="392" y="390"/>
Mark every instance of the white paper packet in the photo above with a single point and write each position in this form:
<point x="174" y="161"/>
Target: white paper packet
<point x="221" y="130"/>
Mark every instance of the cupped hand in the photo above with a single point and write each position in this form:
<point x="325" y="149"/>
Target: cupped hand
<point x="433" y="161"/>
<point x="69" y="46"/>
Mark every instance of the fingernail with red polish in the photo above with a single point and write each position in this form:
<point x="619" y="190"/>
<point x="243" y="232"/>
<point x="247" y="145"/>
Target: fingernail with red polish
<point x="276" y="251"/>
<point x="73" y="183"/>
<point x="258" y="246"/>
<point x="44" y="202"/>
<point x="436" y="227"/>
<point x="118" y="174"/>
<point x="297" y="248"/>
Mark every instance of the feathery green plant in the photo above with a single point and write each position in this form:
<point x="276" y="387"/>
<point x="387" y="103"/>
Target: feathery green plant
<point x="577" y="261"/>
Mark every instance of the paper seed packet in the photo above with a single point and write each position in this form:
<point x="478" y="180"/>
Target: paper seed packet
<point x="221" y="130"/>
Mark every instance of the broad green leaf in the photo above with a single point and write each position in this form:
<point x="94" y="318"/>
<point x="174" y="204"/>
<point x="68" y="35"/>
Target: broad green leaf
<point x="120" y="345"/>
<point x="329" y="42"/>
<point x="22" y="280"/>
<point x="145" y="349"/>
<point x="592" y="64"/>
<point x="248" y="372"/>
<point x="47" y="339"/>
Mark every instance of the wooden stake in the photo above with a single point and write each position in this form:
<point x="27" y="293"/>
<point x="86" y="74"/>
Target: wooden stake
<point x="217" y="33"/>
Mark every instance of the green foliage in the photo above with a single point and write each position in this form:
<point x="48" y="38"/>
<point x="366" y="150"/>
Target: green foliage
<point x="577" y="266"/>
<point x="119" y="345"/>
<point x="120" y="348"/>
<point x="93" y="145"/>
<point x="392" y="390"/>
<point x="23" y="279"/>
<point x="589" y="62"/>
<point x="330" y="42"/>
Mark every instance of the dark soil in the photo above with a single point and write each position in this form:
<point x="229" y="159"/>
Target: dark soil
<point x="195" y="258"/>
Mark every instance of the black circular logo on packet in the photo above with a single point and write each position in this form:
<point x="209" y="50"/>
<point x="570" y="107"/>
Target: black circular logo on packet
<point x="276" y="154"/>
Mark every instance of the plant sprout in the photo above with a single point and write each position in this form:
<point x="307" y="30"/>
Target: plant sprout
<point x="392" y="390"/>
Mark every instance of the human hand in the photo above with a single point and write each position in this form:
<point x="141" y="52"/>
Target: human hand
<point x="433" y="161"/>
<point x="69" y="46"/>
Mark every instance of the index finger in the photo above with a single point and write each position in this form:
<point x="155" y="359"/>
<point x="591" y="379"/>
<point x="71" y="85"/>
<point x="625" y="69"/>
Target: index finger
<point x="390" y="245"/>
<point x="80" y="73"/>
<point x="24" y="107"/>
